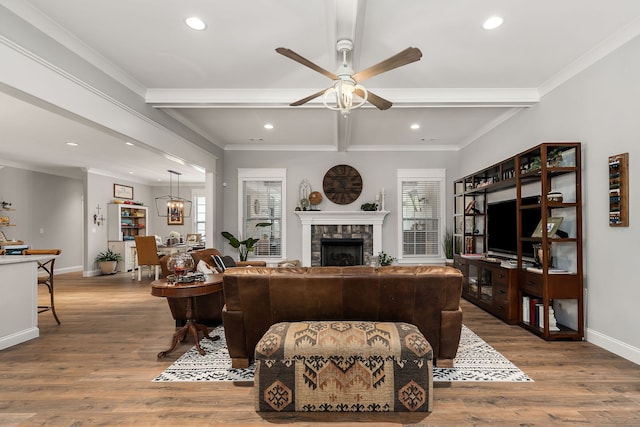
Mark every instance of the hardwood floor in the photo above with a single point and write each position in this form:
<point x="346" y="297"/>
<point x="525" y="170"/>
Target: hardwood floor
<point x="96" y="369"/>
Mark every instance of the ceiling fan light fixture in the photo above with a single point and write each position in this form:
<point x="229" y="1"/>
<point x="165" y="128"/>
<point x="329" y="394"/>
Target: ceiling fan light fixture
<point x="339" y="97"/>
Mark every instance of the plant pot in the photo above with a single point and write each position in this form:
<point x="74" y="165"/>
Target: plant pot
<point x="108" y="267"/>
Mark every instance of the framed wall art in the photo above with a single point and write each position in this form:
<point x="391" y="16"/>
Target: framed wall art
<point x="619" y="190"/>
<point x="175" y="214"/>
<point x="122" y="191"/>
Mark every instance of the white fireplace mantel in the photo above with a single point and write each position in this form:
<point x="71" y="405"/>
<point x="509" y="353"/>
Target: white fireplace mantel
<point x="309" y="218"/>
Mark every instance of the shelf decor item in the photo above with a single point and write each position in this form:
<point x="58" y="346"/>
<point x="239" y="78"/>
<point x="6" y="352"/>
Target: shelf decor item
<point x="552" y="226"/>
<point x="369" y="207"/>
<point x="315" y="198"/>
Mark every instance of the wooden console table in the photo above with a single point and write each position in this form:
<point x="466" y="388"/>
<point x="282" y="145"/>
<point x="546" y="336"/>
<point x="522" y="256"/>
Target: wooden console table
<point x="212" y="284"/>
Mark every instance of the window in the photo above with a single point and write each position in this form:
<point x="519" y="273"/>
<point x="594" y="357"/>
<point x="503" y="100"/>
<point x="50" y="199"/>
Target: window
<point x="421" y="223"/>
<point x="262" y="201"/>
<point x="199" y="217"/>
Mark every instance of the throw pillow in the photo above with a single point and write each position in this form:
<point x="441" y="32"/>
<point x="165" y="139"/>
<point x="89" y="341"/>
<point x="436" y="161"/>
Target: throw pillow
<point x="219" y="263"/>
<point x="228" y="261"/>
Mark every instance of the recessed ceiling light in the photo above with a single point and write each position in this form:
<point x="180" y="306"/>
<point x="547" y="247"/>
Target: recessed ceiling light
<point x="492" y="23"/>
<point x="415" y="126"/>
<point x="130" y="144"/>
<point x="268" y="126"/>
<point x="132" y="173"/>
<point x="72" y="144"/>
<point x="195" y="23"/>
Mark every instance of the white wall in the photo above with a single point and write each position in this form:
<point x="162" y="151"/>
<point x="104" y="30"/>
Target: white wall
<point x="48" y="213"/>
<point x="378" y="170"/>
<point x="599" y="108"/>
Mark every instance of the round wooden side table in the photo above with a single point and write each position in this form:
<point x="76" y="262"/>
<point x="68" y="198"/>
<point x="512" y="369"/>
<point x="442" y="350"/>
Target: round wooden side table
<point x="211" y="284"/>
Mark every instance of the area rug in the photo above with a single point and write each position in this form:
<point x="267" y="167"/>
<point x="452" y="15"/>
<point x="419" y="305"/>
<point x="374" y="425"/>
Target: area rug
<point x="476" y="361"/>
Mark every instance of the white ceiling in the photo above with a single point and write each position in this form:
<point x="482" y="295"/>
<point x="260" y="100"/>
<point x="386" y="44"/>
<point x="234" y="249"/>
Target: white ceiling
<point x="226" y="82"/>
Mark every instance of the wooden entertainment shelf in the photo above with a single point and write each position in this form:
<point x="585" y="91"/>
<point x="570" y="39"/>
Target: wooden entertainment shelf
<point x="541" y="291"/>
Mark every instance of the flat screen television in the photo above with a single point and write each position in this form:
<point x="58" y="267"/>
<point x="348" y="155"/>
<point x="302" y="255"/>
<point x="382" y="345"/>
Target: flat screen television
<point x="502" y="229"/>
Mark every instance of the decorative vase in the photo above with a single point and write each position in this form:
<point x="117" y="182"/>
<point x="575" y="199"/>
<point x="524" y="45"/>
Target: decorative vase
<point x="180" y="264"/>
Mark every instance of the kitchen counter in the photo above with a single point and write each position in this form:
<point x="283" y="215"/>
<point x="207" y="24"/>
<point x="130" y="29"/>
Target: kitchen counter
<point x="19" y="298"/>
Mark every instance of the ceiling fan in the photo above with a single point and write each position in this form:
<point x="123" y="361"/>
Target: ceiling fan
<point x="347" y="83"/>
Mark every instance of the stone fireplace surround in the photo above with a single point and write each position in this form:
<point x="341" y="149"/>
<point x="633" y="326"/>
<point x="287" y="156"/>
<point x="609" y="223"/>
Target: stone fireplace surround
<point x="309" y="219"/>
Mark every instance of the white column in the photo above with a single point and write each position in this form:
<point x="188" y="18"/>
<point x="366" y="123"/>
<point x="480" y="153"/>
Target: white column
<point x="306" y="244"/>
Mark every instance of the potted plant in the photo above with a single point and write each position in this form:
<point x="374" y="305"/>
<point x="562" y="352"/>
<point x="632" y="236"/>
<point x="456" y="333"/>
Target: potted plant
<point x="244" y="246"/>
<point x="448" y="246"/>
<point x="384" y="259"/>
<point x="108" y="261"/>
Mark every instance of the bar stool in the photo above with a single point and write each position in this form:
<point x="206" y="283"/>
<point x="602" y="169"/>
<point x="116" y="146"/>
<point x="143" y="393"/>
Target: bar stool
<point x="45" y="276"/>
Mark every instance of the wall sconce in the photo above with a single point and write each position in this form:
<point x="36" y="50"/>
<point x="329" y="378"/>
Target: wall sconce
<point x="98" y="218"/>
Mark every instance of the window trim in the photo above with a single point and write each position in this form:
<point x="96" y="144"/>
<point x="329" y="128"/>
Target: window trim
<point x="432" y="174"/>
<point x="264" y="174"/>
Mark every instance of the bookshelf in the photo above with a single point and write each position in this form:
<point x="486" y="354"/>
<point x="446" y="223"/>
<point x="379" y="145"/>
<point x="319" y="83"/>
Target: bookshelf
<point x="546" y="299"/>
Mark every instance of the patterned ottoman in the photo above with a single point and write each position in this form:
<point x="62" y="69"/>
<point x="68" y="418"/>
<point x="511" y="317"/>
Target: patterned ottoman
<point x="353" y="366"/>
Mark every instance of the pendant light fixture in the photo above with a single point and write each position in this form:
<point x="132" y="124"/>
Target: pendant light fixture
<point x="165" y="205"/>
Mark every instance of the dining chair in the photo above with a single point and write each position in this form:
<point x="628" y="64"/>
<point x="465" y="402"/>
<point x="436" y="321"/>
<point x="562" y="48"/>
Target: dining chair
<point x="45" y="276"/>
<point x="147" y="252"/>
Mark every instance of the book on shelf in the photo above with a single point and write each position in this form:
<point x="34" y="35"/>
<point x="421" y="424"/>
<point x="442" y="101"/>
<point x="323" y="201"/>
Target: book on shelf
<point x="540" y="315"/>
<point x="525" y="308"/>
<point x="533" y="311"/>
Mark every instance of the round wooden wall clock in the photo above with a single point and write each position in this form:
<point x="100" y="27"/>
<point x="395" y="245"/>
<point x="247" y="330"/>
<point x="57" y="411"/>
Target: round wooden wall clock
<point x="342" y="184"/>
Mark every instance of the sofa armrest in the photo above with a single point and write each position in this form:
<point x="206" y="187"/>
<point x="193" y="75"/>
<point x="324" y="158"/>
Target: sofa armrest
<point x="450" y="329"/>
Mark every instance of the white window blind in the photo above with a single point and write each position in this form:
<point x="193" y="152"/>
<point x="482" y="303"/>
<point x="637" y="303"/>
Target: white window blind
<point x="200" y="216"/>
<point x="422" y="210"/>
<point x="262" y="202"/>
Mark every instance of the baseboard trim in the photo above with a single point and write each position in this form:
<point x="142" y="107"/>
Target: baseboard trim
<point x="19" y="337"/>
<point x="613" y="345"/>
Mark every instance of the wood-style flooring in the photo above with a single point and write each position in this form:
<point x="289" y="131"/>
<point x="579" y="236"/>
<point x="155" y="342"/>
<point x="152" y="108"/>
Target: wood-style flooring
<point x="96" y="369"/>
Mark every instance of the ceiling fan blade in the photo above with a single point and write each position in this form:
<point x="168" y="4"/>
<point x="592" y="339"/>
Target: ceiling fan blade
<point x="307" y="99"/>
<point x="407" y="56"/>
<point x="379" y="102"/>
<point x="304" y="61"/>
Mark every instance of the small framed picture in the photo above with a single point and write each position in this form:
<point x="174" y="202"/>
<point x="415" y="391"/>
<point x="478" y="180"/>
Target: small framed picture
<point x="553" y="223"/>
<point x="122" y="191"/>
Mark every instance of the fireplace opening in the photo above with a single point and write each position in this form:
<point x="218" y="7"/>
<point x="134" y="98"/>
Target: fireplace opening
<point x="341" y="252"/>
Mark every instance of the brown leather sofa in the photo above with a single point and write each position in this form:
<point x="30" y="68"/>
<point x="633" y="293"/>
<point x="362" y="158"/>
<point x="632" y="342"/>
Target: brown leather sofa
<point x="426" y="296"/>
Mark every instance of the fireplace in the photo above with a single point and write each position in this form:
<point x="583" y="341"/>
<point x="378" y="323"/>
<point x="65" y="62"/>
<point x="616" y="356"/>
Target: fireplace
<point x="341" y="252"/>
<point x="339" y="224"/>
